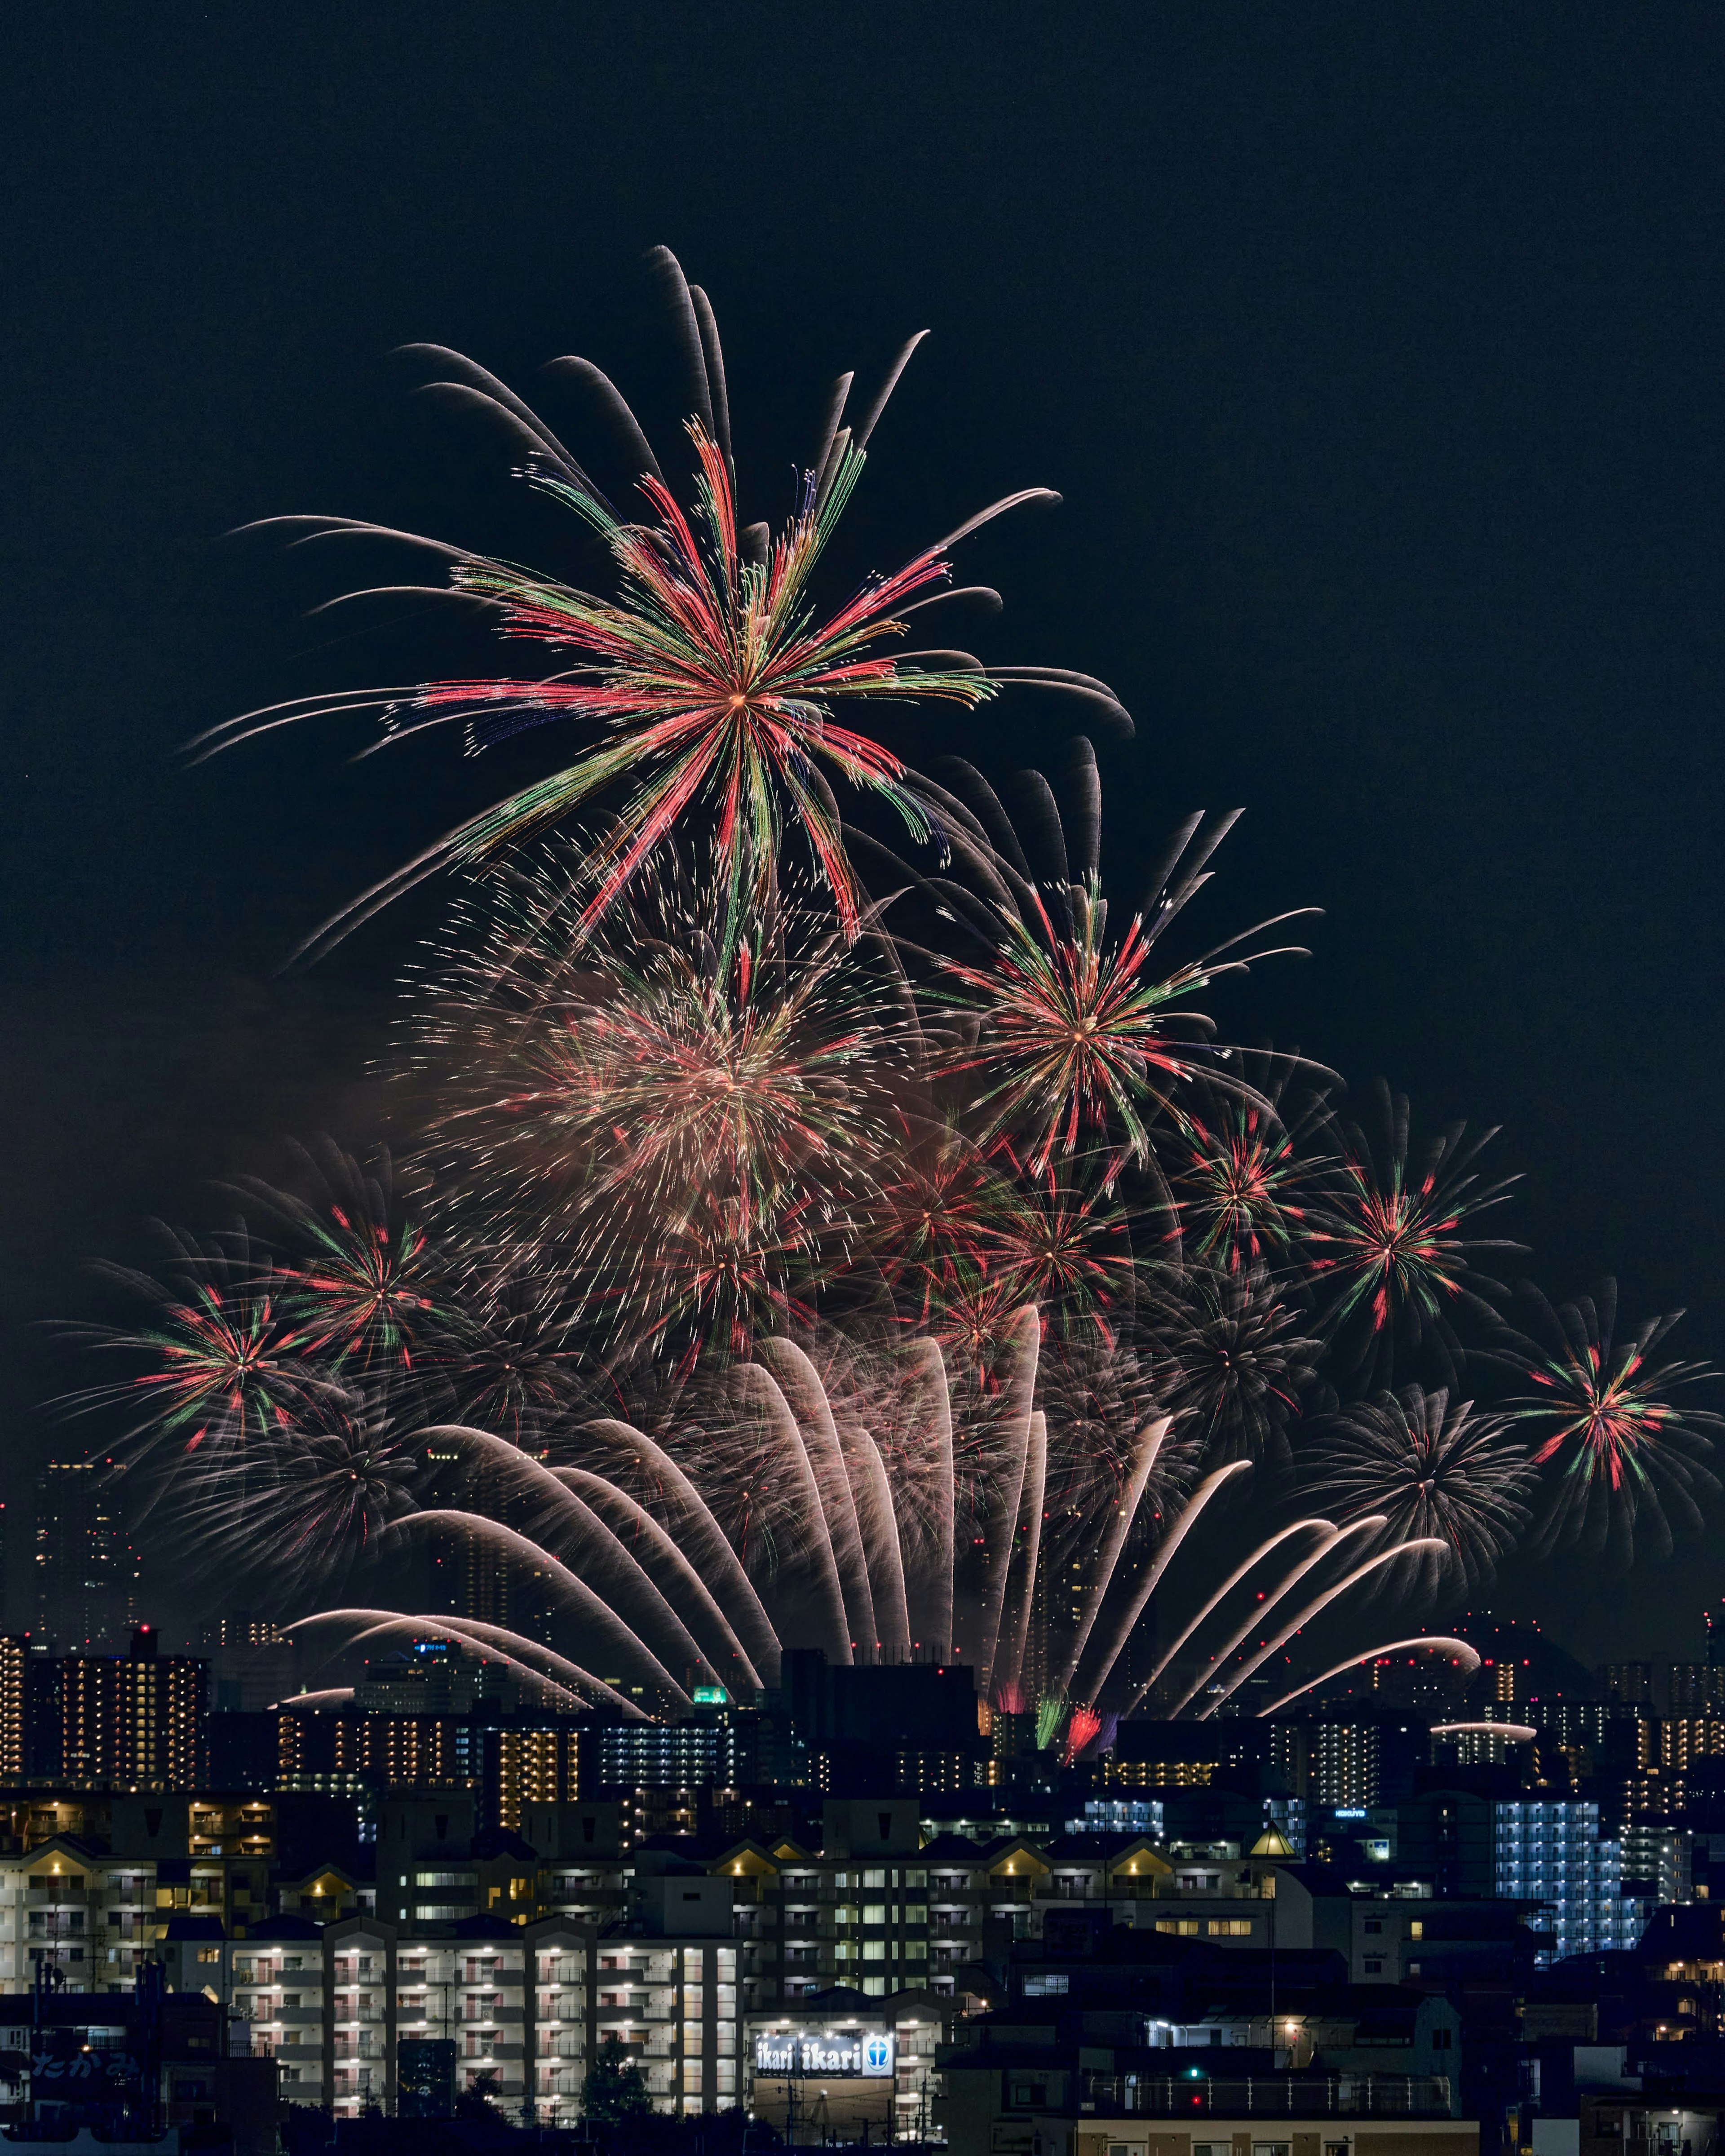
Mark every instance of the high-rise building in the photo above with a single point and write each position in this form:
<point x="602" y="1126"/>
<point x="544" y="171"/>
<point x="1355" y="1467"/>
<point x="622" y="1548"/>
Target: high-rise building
<point x="132" y="1722"/>
<point x="86" y="1571"/>
<point x="1693" y="1687"/>
<point x="14" y="1664"/>
<point x="1630" y="1681"/>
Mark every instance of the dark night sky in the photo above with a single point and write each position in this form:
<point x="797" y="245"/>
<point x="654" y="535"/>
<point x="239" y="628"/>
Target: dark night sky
<point x="1377" y="353"/>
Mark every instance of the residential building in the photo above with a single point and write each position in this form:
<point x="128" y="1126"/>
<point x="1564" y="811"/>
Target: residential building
<point x="1016" y="2083"/>
<point x="1657" y="1857"/>
<point x="1632" y="1682"/>
<point x="130" y="1722"/>
<point x="14" y="1667"/>
<point x="85" y="2068"/>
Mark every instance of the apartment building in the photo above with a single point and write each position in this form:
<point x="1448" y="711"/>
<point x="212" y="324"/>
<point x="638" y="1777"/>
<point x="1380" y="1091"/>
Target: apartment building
<point x="525" y="2005"/>
<point x="92" y="1916"/>
<point x="1554" y="1854"/>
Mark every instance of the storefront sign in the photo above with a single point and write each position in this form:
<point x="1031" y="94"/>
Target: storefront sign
<point x="839" y="2055"/>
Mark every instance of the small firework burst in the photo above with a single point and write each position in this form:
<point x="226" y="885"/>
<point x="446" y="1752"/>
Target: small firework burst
<point x="1623" y="1448"/>
<point x="363" y="1286"/>
<point x="1391" y="1240"/>
<point x="1075" y="1038"/>
<point x="227" y="1363"/>
<point x="314" y="1503"/>
<point x="1432" y="1467"/>
<point x="1236" y="1361"/>
<point x="1241" y="1163"/>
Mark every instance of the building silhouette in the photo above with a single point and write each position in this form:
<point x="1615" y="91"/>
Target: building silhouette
<point x="85" y="1570"/>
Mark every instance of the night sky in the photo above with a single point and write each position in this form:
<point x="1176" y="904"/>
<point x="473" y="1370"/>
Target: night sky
<point x="1377" y="353"/>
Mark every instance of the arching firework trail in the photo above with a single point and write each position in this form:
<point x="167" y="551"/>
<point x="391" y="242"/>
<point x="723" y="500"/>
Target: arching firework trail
<point x="1626" y="1455"/>
<point x="855" y="1538"/>
<point x="1432" y="1469"/>
<point x="710" y="676"/>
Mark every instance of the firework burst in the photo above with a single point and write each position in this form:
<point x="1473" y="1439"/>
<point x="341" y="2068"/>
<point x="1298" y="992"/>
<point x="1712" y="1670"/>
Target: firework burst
<point x="1240" y="1165"/>
<point x="673" y="1142"/>
<point x="1624" y="1455"/>
<point x="227" y="1363"/>
<point x="1431" y="1467"/>
<point x="711" y="676"/>
<point x="1071" y="1041"/>
<point x="1236" y="1362"/>
<point x="1390" y="1237"/>
<point x="366" y="1291"/>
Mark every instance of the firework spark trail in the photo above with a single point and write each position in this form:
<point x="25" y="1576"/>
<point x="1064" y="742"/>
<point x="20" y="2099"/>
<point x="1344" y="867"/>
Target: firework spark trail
<point x="1314" y="1607"/>
<point x="1114" y="1639"/>
<point x="368" y="1288"/>
<point x="1214" y="1602"/>
<point x="711" y="1550"/>
<point x="790" y="1371"/>
<point x="1000" y="1527"/>
<point x="1329" y="1538"/>
<point x="1148" y="1444"/>
<point x="557" y="1579"/>
<point x="866" y="1484"/>
<point x="470" y="1633"/>
<point x="1437" y="1641"/>
<point x="608" y="1566"/>
<point x="928" y="1562"/>
<point x="1027" y="1547"/>
<point x="832" y="1617"/>
<point x="603" y="1497"/>
<point x="546" y="1689"/>
<point x="1084" y="1724"/>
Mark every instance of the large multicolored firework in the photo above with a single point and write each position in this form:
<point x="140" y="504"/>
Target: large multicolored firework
<point x="710" y="676"/>
<point x="794" y="1239"/>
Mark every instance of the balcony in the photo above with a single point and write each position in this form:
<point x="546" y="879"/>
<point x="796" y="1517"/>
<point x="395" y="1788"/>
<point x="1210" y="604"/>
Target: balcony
<point x="1270" y="2095"/>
